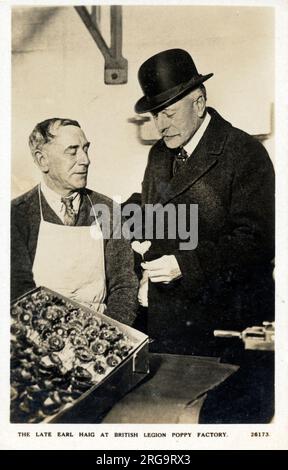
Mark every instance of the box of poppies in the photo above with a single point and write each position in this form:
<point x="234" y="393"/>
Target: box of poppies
<point x="69" y="364"/>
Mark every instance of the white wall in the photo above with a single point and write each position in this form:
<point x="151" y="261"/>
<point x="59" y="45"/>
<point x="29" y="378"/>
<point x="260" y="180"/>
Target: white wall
<point x="58" y="71"/>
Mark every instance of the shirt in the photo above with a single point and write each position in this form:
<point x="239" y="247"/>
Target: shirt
<point x="54" y="201"/>
<point x="195" y="139"/>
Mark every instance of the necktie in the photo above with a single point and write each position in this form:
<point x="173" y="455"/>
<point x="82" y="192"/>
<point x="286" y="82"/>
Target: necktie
<point x="180" y="159"/>
<point x="70" y="215"/>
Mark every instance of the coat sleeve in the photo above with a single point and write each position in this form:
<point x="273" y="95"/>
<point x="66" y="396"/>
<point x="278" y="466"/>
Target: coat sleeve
<point x="21" y="265"/>
<point x="249" y="240"/>
<point x="121" y="280"/>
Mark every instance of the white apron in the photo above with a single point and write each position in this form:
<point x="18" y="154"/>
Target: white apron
<point x="70" y="261"/>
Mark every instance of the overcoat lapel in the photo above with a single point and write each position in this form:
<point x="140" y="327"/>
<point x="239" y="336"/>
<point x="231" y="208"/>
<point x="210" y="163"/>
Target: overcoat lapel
<point x="203" y="159"/>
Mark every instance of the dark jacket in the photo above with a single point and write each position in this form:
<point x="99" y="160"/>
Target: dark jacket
<point x="121" y="281"/>
<point x="227" y="281"/>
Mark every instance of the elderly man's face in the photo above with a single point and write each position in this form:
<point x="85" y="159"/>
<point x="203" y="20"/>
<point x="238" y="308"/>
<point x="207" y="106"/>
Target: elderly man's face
<point x="66" y="159"/>
<point x="178" y="122"/>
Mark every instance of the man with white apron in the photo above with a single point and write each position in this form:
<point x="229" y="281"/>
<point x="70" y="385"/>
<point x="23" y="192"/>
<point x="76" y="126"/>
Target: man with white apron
<point x="51" y="229"/>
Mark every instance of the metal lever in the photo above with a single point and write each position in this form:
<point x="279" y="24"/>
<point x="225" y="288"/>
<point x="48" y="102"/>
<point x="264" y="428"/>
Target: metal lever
<point x="259" y="338"/>
<point x="227" y="334"/>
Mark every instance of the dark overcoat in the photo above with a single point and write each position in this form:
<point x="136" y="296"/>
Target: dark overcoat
<point x="226" y="280"/>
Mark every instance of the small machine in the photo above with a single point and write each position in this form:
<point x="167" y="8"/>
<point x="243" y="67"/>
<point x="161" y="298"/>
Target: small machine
<point x="260" y="338"/>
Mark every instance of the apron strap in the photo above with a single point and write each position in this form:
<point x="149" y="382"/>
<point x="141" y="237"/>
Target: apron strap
<point x="96" y="220"/>
<point x="103" y="259"/>
<point x="40" y="202"/>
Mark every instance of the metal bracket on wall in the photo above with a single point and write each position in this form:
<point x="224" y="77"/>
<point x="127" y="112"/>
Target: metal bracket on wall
<point x="116" y="66"/>
<point x="139" y="121"/>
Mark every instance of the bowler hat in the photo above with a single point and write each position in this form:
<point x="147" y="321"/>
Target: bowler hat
<point x="165" y="77"/>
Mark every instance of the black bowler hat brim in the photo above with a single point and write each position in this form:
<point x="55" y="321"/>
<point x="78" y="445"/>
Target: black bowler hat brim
<point x="152" y="103"/>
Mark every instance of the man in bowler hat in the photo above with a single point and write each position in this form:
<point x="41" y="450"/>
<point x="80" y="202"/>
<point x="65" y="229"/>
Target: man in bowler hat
<point x="226" y="281"/>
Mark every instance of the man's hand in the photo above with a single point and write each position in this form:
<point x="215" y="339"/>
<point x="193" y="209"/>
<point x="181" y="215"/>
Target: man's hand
<point x="164" y="269"/>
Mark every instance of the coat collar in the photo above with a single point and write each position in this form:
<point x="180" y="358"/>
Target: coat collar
<point x="84" y="217"/>
<point x="203" y="159"/>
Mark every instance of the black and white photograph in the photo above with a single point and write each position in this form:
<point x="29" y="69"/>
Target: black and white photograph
<point x="145" y="237"/>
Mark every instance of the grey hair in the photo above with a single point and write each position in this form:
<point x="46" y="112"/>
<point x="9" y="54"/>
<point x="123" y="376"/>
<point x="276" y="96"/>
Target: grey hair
<point x="203" y="89"/>
<point x="42" y="132"/>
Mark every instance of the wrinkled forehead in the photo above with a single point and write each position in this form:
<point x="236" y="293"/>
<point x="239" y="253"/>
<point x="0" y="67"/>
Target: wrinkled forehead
<point x="67" y="135"/>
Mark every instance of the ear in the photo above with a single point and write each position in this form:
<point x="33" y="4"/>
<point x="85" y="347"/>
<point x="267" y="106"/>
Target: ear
<point x="41" y="159"/>
<point x="201" y="106"/>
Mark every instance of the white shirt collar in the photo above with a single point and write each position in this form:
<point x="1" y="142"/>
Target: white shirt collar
<point x="54" y="200"/>
<point x="194" y="141"/>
